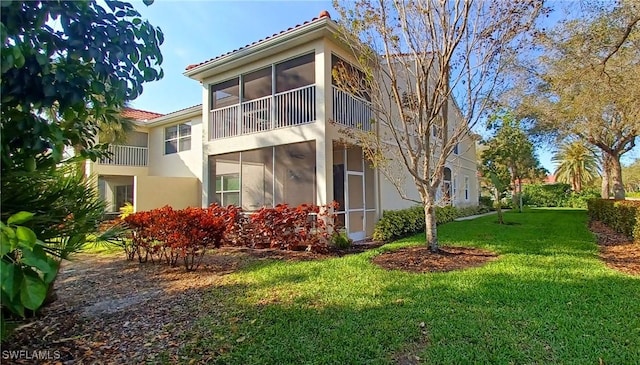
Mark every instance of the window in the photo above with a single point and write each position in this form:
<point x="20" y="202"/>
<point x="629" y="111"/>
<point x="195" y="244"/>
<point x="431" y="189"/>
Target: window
<point x="348" y="77"/>
<point x="228" y="189"/>
<point x="264" y="177"/>
<point x="177" y="138"/>
<point x="455" y="149"/>
<point x="296" y="73"/>
<point x="225" y="94"/>
<point x="123" y="194"/>
<point x="256" y="85"/>
<point x="466" y="188"/>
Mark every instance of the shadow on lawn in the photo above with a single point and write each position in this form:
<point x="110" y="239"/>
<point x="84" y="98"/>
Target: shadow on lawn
<point x="548" y="299"/>
<point x="483" y="315"/>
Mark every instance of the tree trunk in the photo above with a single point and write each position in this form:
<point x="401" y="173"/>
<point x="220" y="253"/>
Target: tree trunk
<point x="616" y="177"/>
<point x="431" y="229"/>
<point x="520" y="195"/>
<point x="498" y="206"/>
<point x="604" y="190"/>
<point x="514" y="193"/>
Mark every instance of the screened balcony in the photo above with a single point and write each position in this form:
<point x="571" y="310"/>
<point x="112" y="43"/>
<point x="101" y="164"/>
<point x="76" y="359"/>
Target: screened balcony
<point x="350" y="109"/>
<point x="278" y="96"/>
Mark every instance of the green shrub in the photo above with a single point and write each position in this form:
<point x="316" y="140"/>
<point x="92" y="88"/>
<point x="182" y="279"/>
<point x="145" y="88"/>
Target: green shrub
<point x="623" y="216"/>
<point x="400" y="223"/>
<point x="579" y="200"/>
<point x="340" y="240"/>
<point x="485" y="201"/>
<point x="546" y="195"/>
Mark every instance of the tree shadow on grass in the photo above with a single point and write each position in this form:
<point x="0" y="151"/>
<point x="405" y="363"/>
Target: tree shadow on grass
<point x="489" y="315"/>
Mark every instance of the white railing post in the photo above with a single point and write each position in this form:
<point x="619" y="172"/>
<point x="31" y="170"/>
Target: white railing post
<point x="286" y="109"/>
<point x="126" y="156"/>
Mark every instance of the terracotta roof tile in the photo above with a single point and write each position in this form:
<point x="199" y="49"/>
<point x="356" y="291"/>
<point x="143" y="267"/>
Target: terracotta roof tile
<point x="139" y="115"/>
<point x="323" y="14"/>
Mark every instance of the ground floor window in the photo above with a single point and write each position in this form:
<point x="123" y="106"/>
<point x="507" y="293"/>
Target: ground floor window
<point x="228" y="189"/>
<point x="116" y="191"/>
<point x="265" y="177"/>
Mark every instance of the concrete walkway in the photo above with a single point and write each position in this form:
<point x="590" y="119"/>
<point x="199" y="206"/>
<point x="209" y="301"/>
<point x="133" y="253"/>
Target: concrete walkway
<point x="478" y="216"/>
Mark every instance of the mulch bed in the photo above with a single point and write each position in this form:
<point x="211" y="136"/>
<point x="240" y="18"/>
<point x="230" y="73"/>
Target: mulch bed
<point x="618" y="251"/>
<point x="420" y="259"/>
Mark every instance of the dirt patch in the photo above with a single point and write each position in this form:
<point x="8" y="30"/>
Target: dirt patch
<point x="618" y="251"/>
<point x="420" y="259"/>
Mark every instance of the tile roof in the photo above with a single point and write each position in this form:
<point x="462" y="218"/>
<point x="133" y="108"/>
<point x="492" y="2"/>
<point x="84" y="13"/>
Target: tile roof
<point x="323" y="14"/>
<point x="139" y="115"/>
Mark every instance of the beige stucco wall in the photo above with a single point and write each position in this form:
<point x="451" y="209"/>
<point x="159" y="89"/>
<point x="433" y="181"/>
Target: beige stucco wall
<point x="307" y="132"/>
<point x="157" y="191"/>
<point x="113" y="170"/>
<point x="180" y="164"/>
<point x="324" y="133"/>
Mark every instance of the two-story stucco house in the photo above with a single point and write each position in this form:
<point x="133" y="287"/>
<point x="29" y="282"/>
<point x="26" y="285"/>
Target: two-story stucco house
<point x="269" y="131"/>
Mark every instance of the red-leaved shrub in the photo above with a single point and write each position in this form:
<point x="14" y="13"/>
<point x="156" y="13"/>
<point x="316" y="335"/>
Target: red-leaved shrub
<point x="170" y="235"/>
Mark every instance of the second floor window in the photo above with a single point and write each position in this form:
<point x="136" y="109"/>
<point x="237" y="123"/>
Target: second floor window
<point x="177" y="138"/>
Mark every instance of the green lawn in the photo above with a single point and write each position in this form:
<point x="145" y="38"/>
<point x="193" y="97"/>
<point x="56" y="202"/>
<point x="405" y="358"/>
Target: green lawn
<point x="547" y="299"/>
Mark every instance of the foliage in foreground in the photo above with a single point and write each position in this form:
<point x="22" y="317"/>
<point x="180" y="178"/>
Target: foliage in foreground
<point x="25" y="268"/>
<point x="621" y="215"/>
<point x="547" y="299"/>
<point x="83" y="71"/>
<point x="395" y="224"/>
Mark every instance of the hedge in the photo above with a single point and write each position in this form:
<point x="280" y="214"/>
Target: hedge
<point x="623" y="216"/>
<point x="400" y="223"/>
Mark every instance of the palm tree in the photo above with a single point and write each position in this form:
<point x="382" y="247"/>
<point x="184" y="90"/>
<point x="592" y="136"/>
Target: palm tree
<point x="576" y="164"/>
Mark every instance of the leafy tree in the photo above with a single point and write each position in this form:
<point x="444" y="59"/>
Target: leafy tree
<point x="430" y="68"/>
<point x="67" y="68"/>
<point x="577" y="165"/>
<point x="85" y="69"/>
<point x="631" y="175"/>
<point x="497" y="176"/>
<point x="511" y="150"/>
<point x="587" y="85"/>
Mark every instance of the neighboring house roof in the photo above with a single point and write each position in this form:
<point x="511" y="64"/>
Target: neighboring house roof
<point x="139" y="115"/>
<point x="323" y="14"/>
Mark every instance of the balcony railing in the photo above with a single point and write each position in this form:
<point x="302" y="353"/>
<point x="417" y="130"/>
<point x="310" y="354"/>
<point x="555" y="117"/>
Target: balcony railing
<point x="350" y="110"/>
<point x="126" y="156"/>
<point x="286" y="109"/>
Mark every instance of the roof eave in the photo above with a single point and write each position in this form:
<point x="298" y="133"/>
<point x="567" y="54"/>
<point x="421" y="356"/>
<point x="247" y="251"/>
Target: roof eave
<point x="201" y="72"/>
<point x="175" y="117"/>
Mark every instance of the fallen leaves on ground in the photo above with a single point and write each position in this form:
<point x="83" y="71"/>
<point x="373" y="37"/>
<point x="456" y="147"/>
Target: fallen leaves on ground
<point x="618" y="251"/>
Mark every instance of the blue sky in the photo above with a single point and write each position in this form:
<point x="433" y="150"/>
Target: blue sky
<point x="196" y="31"/>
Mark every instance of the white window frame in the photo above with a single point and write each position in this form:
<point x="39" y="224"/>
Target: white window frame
<point x="178" y="137"/>
<point x="222" y="191"/>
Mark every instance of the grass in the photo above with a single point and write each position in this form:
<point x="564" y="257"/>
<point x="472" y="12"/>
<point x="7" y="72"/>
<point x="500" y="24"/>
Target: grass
<point x="547" y="299"/>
